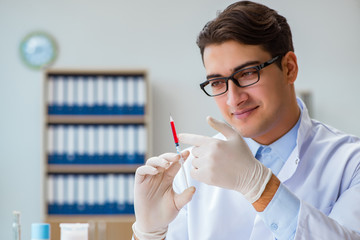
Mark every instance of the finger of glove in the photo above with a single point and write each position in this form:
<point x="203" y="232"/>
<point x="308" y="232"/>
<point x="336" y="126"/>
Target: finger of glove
<point x="162" y="161"/>
<point x="171" y="157"/>
<point x="185" y="154"/>
<point x="174" y="168"/>
<point x="143" y="171"/>
<point x="184" y="197"/>
<point x="158" y="162"/>
<point x="221" y="127"/>
<point x="193" y="139"/>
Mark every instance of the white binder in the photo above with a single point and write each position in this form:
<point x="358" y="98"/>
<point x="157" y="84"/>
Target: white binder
<point x="50" y="91"/>
<point x="50" y="189"/>
<point x="70" y="91"/>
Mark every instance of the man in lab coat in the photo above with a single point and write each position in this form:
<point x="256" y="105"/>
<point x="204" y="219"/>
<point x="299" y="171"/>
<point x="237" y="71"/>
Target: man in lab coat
<point x="271" y="172"/>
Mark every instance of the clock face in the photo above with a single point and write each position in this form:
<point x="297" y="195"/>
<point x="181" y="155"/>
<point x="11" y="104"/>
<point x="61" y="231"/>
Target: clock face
<point x="38" y="50"/>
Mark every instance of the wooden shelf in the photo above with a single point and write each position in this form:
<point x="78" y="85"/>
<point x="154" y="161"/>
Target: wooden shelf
<point x="95" y="119"/>
<point x="104" y="226"/>
<point x="86" y="218"/>
<point x="101" y="227"/>
<point x="97" y="72"/>
<point x="120" y="168"/>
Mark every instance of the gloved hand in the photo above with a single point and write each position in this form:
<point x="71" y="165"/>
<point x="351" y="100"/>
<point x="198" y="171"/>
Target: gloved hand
<point x="227" y="163"/>
<point x="156" y="203"/>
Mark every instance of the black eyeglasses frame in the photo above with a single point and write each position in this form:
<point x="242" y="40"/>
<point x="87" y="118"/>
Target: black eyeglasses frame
<point x="231" y="77"/>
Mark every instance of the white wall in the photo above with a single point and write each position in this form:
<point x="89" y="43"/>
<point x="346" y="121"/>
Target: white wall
<point x="159" y="36"/>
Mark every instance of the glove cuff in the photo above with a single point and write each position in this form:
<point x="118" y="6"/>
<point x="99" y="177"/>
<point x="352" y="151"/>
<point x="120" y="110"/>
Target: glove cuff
<point x="158" y="235"/>
<point x="255" y="193"/>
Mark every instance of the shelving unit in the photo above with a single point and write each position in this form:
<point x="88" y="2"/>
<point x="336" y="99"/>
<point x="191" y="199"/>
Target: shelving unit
<point x="96" y="133"/>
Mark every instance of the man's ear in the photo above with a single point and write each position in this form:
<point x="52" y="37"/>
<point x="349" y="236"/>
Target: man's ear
<point x="290" y="67"/>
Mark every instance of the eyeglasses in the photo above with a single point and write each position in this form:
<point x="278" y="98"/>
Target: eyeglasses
<point x="242" y="78"/>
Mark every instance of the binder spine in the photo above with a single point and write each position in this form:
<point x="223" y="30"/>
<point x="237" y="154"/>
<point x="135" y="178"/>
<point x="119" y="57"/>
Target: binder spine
<point x="92" y="194"/>
<point x="96" y="144"/>
<point x="96" y="95"/>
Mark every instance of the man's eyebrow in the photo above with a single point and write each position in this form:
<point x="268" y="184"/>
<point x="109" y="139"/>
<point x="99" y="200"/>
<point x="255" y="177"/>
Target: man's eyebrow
<point x="235" y="69"/>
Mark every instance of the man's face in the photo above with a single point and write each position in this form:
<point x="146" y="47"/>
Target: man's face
<point x="261" y="111"/>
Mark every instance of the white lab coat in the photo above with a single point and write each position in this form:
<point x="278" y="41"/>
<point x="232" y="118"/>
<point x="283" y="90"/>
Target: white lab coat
<point x="322" y="171"/>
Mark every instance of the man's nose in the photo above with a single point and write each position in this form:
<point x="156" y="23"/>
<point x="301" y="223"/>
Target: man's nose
<point x="235" y="95"/>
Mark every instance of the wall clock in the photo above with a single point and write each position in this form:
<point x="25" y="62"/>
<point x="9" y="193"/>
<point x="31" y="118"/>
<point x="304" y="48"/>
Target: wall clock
<point x="38" y="50"/>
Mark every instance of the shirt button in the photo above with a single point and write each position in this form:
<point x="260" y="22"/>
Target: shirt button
<point x="267" y="150"/>
<point x="274" y="226"/>
<point x="296" y="161"/>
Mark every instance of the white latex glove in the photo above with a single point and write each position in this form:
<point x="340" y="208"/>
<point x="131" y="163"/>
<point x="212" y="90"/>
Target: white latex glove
<point x="227" y="163"/>
<point x="156" y="203"/>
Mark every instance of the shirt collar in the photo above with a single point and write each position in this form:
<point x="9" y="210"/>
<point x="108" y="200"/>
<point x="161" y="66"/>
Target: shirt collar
<point x="284" y="145"/>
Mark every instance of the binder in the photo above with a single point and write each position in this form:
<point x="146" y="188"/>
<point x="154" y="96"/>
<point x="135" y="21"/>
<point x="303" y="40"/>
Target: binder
<point x="120" y="147"/>
<point x="69" y="95"/>
<point x="131" y="141"/>
<point x="101" y="142"/>
<point x="109" y="96"/>
<point x="80" y="195"/>
<point x="60" y="142"/>
<point x="51" y="95"/>
<point x="110" y="141"/>
<point x="80" y="149"/>
<point x="100" y="96"/>
<point x="91" y="145"/>
<point x="80" y="90"/>
<point x="60" y="96"/>
<point x="91" y="195"/>
<point x="51" y="194"/>
<point x="70" y="144"/>
<point x="140" y="96"/>
<point x="69" y="194"/>
<point x="50" y="143"/>
<point x="121" y="196"/>
<point x="110" y="196"/>
<point x="90" y="96"/>
<point x="141" y="144"/>
<point x="121" y="96"/>
<point x="100" y="204"/>
<point x="130" y="97"/>
<point x="130" y="193"/>
<point x="59" y="194"/>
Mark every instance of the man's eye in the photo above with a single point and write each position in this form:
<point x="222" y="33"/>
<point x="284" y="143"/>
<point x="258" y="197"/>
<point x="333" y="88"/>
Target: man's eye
<point x="217" y="83"/>
<point x="247" y="74"/>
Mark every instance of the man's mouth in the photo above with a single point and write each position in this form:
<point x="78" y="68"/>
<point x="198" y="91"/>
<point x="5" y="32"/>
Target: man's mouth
<point x="244" y="113"/>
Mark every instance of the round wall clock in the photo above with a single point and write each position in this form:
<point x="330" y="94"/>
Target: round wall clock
<point x="38" y="50"/>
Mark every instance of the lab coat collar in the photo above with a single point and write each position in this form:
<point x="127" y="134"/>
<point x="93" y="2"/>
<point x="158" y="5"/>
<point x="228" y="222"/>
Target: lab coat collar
<point x="293" y="161"/>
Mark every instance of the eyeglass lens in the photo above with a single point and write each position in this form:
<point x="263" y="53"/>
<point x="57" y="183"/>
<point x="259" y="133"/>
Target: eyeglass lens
<point x="241" y="78"/>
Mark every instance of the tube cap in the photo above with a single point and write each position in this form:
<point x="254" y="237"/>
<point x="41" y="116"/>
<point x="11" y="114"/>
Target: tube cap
<point x="40" y="231"/>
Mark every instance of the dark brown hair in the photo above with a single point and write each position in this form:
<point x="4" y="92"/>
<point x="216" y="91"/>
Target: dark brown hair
<point x="249" y="23"/>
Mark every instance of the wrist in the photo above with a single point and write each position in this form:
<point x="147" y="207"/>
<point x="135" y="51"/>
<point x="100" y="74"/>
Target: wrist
<point x="267" y="195"/>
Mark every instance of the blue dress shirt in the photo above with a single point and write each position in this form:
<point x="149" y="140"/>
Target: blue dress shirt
<point x="282" y="212"/>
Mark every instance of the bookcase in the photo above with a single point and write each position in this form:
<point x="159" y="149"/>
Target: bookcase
<point x="96" y="133"/>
